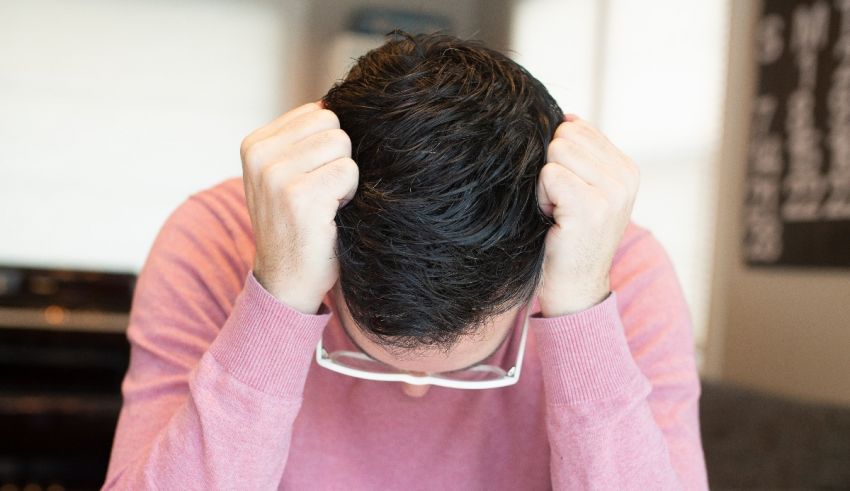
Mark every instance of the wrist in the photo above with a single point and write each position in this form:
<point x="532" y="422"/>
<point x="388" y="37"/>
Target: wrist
<point x="304" y="305"/>
<point x="294" y="298"/>
<point x="566" y="302"/>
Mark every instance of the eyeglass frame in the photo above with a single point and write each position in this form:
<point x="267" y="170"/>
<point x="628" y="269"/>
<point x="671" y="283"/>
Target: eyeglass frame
<point x="509" y="377"/>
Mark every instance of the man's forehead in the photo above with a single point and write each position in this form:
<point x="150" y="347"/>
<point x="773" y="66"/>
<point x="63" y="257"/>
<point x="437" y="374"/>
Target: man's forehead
<point x="468" y="351"/>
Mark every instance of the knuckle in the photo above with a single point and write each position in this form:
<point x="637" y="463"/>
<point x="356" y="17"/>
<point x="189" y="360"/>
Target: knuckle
<point x="352" y="172"/>
<point x="551" y="172"/>
<point x="546" y="171"/>
<point x="571" y="142"/>
<point x="341" y="137"/>
<point x="246" y="149"/>
<point x="556" y="142"/>
<point x="244" y="146"/>
<point x="332" y="173"/>
<point x="328" y="118"/>
<point x="271" y="177"/>
<point x="341" y="170"/>
<point x="585" y="129"/>
<point x="558" y="146"/>
<point x="335" y="139"/>
<point x="562" y="130"/>
<point x="252" y="155"/>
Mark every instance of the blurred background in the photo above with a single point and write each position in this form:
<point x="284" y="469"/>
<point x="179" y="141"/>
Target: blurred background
<point x="113" y="113"/>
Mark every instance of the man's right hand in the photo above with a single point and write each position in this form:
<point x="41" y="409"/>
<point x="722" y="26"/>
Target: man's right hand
<point x="297" y="172"/>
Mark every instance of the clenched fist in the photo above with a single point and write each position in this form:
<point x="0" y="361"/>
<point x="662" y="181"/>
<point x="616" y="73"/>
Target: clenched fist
<point x="297" y="172"/>
<point x="588" y="186"/>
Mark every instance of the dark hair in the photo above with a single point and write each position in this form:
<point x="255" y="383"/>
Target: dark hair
<point x="444" y="230"/>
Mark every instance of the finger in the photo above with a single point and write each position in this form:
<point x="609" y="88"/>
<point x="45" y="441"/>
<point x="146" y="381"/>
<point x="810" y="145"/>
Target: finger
<point x="582" y="128"/>
<point x="337" y="179"/>
<point x="579" y="136"/>
<point x="568" y="129"/>
<point x="559" y="189"/>
<point x="275" y="125"/>
<point x="295" y="130"/>
<point x="587" y="132"/>
<point x="314" y="151"/>
<point x="306" y="125"/>
<point x="579" y="160"/>
<point x="317" y="150"/>
<point x="585" y="136"/>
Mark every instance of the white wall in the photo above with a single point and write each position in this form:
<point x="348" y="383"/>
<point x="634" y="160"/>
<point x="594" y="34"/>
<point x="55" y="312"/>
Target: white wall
<point x="111" y="113"/>
<point x="559" y="42"/>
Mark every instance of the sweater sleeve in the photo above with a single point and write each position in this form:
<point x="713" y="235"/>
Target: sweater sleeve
<point x="217" y="366"/>
<point x="621" y="383"/>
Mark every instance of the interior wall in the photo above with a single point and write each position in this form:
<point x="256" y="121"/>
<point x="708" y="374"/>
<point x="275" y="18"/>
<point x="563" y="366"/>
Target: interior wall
<point x="783" y="330"/>
<point x="113" y="113"/>
<point x="486" y="21"/>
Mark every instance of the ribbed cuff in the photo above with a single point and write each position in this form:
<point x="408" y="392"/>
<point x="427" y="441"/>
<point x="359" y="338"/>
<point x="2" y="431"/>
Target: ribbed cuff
<point x="267" y="344"/>
<point x="584" y="355"/>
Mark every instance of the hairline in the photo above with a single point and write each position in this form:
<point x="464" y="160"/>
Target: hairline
<point x="505" y="336"/>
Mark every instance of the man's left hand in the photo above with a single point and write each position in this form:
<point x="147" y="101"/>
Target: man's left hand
<point x="588" y="186"/>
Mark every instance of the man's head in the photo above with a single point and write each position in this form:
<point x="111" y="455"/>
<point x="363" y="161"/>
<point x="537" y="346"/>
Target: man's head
<point x="443" y="239"/>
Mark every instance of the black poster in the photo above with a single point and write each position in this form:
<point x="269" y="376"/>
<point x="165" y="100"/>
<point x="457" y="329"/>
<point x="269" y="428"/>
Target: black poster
<point x="798" y="169"/>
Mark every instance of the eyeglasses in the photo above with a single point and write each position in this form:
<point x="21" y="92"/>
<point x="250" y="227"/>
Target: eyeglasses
<point x="482" y="376"/>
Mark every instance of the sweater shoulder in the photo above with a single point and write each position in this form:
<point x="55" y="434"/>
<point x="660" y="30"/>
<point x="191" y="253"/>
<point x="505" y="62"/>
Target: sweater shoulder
<point x="637" y="242"/>
<point x="226" y="203"/>
<point x="226" y="198"/>
<point x="642" y="264"/>
<point x="640" y="256"/>
<point x="194" y="270"/>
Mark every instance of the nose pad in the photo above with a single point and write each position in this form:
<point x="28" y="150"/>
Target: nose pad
<point x="415" y="390"/>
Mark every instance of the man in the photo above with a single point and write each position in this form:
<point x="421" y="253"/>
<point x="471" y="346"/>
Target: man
<point x="427" y="280"/>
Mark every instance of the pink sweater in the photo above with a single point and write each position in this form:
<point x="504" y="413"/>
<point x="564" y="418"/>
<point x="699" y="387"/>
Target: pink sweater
<point x="223" y="391"/>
